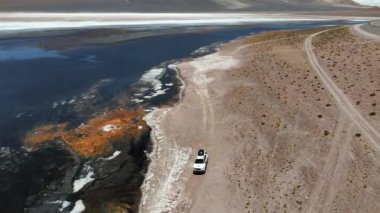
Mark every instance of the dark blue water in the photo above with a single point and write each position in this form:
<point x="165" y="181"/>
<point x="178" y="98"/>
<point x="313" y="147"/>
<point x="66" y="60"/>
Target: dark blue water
<point x="32" y="79"/>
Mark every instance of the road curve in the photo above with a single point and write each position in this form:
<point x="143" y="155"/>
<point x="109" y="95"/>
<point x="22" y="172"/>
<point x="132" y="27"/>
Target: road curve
<point x="357" y="29"/>
<point x="341" y="99"/>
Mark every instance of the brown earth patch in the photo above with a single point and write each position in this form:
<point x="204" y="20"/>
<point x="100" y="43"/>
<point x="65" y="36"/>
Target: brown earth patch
<point x="91" y="139"/>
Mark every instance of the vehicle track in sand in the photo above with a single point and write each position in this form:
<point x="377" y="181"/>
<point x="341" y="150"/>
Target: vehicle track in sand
<point x="343" y="102"/>
<point x="207" y="110"/>
<point x="323" y="192"/>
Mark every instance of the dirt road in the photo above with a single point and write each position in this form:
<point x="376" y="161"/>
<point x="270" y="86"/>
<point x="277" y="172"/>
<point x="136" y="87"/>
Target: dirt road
<point x="341" y="99"/>
<point x="372" y="34"/>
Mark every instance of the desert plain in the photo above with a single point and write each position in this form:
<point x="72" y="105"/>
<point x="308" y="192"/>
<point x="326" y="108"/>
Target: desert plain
<point x="290" y="120"/>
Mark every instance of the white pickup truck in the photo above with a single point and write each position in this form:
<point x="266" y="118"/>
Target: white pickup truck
<point x="201" y="161"/>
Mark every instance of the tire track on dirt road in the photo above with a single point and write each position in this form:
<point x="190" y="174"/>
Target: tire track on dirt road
<point x="343" y="102"/>
<point x="207" y="107"/>
<point x="324" y="188"/>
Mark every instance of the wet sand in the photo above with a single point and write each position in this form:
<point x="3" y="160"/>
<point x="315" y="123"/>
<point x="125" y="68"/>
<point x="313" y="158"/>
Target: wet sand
<point x="290" y="120"/>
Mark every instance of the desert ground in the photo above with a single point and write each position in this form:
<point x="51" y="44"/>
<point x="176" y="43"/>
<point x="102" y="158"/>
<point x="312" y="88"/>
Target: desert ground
<point x="290" y="120"/>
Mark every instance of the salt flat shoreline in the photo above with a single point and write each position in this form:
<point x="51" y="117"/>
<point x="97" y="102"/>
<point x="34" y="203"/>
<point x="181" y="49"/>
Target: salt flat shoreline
<point x="19" y="21"/>
<point x="48" y="16"/>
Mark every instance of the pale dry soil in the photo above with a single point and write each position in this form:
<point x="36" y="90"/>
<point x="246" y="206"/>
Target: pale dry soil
<point x="291" y="122"/>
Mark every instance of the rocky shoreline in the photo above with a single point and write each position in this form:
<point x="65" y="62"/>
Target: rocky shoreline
<point x="107" y="181"/>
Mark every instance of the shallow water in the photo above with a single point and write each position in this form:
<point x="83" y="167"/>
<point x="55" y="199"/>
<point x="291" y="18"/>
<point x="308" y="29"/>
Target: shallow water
<point x="26" y="53"/>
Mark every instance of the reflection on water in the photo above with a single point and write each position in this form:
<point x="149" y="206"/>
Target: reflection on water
<point x="26" y="53"/>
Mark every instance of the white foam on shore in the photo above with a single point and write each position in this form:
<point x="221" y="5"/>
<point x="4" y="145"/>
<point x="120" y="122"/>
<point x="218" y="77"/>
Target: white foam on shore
<point x="79" y="207"/>
<point x="202" y="50"/>
<point x="19" y="115"/>
<point x="109" y="128"/>
<point x="137" y="100"/>
<point x="113" y="156"/>
<point x="162" y="188"/>
<point x="151" y="77"/>
<point x="81" y="182"/>
<point x="156" y="93"/>
<point x="374" y="3"/>
<point x="55" y="104"/>
<point x="204" y="64"/>
<point x="72" y="101"/>
<point x="64" y="205"/>
<point x="214" y="61"/>
<point x="93" y="90"/>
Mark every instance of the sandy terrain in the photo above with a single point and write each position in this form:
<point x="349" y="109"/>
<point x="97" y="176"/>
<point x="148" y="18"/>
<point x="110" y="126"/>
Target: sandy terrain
<point x="290" y="120"/>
